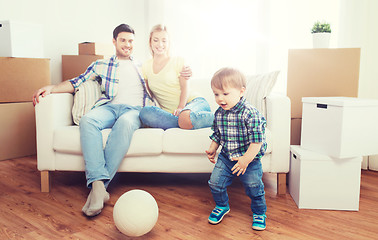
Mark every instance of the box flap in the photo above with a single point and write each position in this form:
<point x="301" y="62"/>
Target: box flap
<point x="341" y="101"/>
<point x="307" y="155"/>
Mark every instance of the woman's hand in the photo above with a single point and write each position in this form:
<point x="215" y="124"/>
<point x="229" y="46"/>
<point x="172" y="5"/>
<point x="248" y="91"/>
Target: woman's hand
<point x="186" y="72"/>
<point x="177" y="111"/>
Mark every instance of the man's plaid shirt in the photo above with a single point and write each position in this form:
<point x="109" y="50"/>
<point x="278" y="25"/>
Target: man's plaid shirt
<point x="106" y="69"/>
<point x="237" y="128"/>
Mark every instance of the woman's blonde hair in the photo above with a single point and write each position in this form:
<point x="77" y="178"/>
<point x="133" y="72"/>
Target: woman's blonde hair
<point x="157" y="28"/>
<point x="228" y="77"/>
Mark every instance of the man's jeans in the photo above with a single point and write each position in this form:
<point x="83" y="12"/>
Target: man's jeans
<point x="102" y="163"/>
<point x="222" y="176"/>
<point x="200" y="115"/>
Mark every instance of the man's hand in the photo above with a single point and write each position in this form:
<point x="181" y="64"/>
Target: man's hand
<point x="186" y="72"/>
<point x="44" y="91"/>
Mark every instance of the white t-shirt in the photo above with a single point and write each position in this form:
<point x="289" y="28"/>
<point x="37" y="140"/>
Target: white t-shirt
<point x="130" y="89"/>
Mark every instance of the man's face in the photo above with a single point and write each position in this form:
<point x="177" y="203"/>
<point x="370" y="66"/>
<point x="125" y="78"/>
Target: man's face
<point x="124" y="45"/>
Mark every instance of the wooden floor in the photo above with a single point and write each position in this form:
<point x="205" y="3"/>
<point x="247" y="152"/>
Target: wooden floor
<point x="184" y="204"/>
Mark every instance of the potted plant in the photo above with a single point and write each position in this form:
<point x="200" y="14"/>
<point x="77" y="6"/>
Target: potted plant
<point x="321" y="34"/>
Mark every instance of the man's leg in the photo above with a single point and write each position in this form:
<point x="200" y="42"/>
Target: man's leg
<point x="92" y="147"/>
<point x="119" y="139"/>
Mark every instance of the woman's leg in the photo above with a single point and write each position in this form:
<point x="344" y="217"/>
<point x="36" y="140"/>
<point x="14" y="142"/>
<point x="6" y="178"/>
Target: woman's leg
<point x="156" y="117"/>
<point x="197" y="114"/>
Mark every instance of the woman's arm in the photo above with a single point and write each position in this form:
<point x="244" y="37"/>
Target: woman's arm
<point x="183" y="95"/>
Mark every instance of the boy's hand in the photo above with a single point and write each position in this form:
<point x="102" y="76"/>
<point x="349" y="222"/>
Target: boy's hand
<point x="241" y="166"/>
<point x="211" y="155"/>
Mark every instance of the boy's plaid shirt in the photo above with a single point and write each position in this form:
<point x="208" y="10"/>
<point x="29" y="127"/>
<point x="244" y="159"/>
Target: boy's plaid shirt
<point x="237" y="128"/>
<point x="106" y="69"/>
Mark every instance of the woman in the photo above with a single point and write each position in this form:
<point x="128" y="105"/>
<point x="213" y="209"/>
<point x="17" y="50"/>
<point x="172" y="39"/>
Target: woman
<point x="179" y="107"/>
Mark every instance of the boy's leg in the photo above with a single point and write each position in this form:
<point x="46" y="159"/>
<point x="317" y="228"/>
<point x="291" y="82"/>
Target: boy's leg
<point x="156" y="117"/>
<point x="254" y="187"/>
<point x="220" y="179"/>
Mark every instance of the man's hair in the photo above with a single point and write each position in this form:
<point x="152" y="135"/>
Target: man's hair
<point x="122" y="28"/>
<point x="228" y="77"/>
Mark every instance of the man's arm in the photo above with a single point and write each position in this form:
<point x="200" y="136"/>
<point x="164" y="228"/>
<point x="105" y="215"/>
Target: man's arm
<point x="63" y="87"/>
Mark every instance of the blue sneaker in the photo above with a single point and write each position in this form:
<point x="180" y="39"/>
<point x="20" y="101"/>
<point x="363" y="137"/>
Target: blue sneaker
<point x="259" y="222"/>
<point x="217" y="214"/>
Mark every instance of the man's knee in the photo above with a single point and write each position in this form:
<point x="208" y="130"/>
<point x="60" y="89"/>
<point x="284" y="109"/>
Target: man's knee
<point x="184" y="120"/>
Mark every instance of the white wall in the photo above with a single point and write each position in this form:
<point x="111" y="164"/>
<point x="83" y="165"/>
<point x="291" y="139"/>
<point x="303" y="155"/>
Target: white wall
<point x="358" y="28"/>
<point x="69" y="22"/>
<point x="285" y="23"/>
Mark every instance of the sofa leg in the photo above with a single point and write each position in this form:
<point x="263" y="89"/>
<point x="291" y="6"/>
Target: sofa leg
<point x="281" y="183"/>
<point x="45" y="181"/>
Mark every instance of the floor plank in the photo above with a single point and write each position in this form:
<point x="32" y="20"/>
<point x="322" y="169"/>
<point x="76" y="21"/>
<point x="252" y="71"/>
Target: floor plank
<point x="184" y="204"/>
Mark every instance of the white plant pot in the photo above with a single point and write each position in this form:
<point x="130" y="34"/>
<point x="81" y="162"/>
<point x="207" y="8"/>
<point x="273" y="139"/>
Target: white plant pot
<point x="321" y="40"/>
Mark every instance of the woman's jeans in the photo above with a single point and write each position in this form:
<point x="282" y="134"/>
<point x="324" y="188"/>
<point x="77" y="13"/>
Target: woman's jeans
<point x="222" y="176"/>
<point x="102" y="163"/>
<point x="200" y="115"/>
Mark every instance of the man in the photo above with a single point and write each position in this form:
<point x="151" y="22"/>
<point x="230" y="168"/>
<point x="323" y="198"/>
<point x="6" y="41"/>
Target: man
<point x="118" y="108"/>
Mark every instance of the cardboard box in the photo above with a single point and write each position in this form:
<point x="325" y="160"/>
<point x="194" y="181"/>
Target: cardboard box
<point x="91" y="48"/>
<point x="17" y="130"/>
<point x="20" y="77"/>
<point x="339" y="126"/>
<point x="21" y="39"/>
<point x="321" y="73"/>
<point x="373" y="162"/>
<point x="317" y="181"/>
<point x="74" y="65"/>
<point x="295" y="135"/>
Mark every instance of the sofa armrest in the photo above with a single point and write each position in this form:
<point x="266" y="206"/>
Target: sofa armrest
<point x="51" y="112"/>
<point x="278" y="110"/>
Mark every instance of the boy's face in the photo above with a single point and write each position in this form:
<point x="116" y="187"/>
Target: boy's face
<point x="227" y="97"/>
<point x="124" y="45"/>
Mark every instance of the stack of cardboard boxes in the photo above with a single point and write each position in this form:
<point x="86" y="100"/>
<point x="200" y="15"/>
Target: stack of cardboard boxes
<point x="74" y="65"/>
<point x="327" y="136"/>
<point x="319" y="73"/>
<point x="22" y="70"/>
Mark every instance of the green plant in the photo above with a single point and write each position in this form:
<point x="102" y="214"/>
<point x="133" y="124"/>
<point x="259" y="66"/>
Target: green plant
<point x="320" y="27"/>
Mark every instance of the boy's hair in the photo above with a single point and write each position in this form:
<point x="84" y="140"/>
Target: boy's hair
<point x="228" y="77"/>
<point x="122" y="28"/>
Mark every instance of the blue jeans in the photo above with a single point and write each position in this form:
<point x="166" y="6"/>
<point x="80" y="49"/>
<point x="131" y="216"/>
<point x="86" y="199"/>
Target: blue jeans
<point x="222" y="176"/>
<point x="200" y="115"/>
<point x="102" y="163"/>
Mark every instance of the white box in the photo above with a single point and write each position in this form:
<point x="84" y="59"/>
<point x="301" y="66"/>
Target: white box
<point x="317" y="181"/>
<point x="19" y="39"/>
<point x="341" y="127"/>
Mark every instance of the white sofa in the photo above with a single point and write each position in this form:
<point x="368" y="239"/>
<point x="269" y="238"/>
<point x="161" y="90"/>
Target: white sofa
<point x="152" y="150"/>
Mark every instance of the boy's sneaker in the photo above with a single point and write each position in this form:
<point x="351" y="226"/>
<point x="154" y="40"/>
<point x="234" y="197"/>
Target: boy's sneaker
<point x="217" y="214"/>
<point x="259" y="222"/>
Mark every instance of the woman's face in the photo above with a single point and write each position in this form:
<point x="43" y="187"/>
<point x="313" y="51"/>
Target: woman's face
<point x="159" y="43"/>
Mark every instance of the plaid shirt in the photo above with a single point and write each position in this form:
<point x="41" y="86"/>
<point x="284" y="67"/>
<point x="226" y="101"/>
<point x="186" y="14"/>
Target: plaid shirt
<point x="106" y="70"/>
<point x="237" y="128"/>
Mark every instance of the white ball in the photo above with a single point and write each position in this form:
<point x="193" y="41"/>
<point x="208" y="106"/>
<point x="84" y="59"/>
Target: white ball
<point x="135" y="213"/>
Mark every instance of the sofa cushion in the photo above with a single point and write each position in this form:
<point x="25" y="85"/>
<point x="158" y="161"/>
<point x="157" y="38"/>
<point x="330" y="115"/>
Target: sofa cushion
<point x="145" y="141"/>
<point x="176" y="140"/>
<point x="258" y="88"/>
<point x="85" y="97"/>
